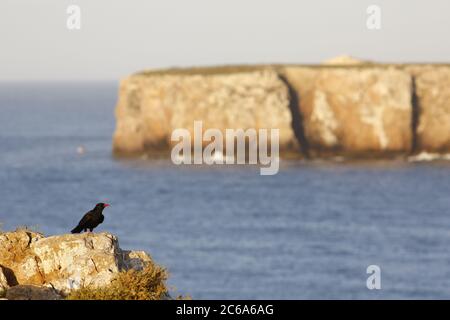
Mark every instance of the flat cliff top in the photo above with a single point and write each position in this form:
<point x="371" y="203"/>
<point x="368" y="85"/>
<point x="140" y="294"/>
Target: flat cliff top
<point x="344" y="106"/>
<point x="233" y="69"/>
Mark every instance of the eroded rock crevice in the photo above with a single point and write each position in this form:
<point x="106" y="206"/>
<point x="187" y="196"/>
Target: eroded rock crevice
<point x="297" y="118"/>
<point x="415" y="115"/>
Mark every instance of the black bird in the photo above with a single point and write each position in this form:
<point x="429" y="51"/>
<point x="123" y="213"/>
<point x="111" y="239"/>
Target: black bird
<point x="91" y="219"/>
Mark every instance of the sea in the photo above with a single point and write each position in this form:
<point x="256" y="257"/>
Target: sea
<point x="315" y="230"/>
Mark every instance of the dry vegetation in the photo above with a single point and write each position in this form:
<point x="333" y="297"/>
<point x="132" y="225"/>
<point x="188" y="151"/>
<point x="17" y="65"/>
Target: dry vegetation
<point x="234" y="69"/>
<point x="216" y="70"/>
<point x="147" y="284"/>
<point x="27" y="228"/>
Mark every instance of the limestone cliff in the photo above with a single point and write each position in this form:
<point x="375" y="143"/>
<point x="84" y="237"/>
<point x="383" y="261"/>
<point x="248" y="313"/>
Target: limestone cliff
<point x="151" y="106"/>
<point x="62" y="263"/>
<point x="432" y="94"/>
<point x="354" y="110"/>
<point x="346" y="106"/>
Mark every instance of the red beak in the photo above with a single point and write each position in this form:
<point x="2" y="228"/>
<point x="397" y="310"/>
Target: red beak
<point x="106" y="205"/>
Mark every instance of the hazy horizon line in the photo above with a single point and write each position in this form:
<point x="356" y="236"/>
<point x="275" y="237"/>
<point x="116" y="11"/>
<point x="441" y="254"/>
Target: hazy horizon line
<point x="195" y="66"/>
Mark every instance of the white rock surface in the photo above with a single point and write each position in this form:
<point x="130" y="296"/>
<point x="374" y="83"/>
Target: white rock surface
<point x="3" y="282"/>
<point x="65" y="262"/>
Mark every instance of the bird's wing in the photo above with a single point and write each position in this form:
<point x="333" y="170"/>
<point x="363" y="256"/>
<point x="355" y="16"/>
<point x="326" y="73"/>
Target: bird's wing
<point x="86" y="218"/>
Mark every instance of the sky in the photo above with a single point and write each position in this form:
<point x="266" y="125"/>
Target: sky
<point x="118" y="38"/>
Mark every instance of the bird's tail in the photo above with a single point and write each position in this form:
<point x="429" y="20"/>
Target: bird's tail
<point x="77" y="229"/>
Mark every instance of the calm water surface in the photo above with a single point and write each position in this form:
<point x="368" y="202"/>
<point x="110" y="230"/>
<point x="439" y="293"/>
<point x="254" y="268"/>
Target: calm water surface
<point x="225" y="232"/>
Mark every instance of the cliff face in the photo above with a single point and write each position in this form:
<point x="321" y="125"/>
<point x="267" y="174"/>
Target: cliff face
<point x="151" y="107"/>
<point x="432" y="93"/>
<point x="30" y="261"/>
<point x="356" y="109"/>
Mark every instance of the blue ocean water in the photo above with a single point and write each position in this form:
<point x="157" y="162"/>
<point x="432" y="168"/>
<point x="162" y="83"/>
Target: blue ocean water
<point x="225" y="232"/>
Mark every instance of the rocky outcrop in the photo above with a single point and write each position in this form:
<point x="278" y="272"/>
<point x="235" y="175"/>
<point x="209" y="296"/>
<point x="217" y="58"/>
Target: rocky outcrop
<point x="152" y="105"/>
<point x="30" y="292"/>
<point x="345" y="106"/>
<point x="64" y="262"/>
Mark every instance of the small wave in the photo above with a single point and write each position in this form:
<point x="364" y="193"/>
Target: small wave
<point x="428" y="156"/>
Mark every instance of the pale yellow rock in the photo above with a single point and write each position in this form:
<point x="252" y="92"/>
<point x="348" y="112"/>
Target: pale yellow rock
<point x="136" y="260"/>
<point x="3" y="282"/>
<point x="151" y="106"/>
<point x="76" y="260"/>
<point x="354" y="110"/>
<point x="16" y="258"/>
<point x="344" y="106"/>
<point x="65" y="262"/>
<point x="432" y="84"/>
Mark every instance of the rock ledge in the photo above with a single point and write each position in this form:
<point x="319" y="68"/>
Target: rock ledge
<point x="62" y="263"/>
